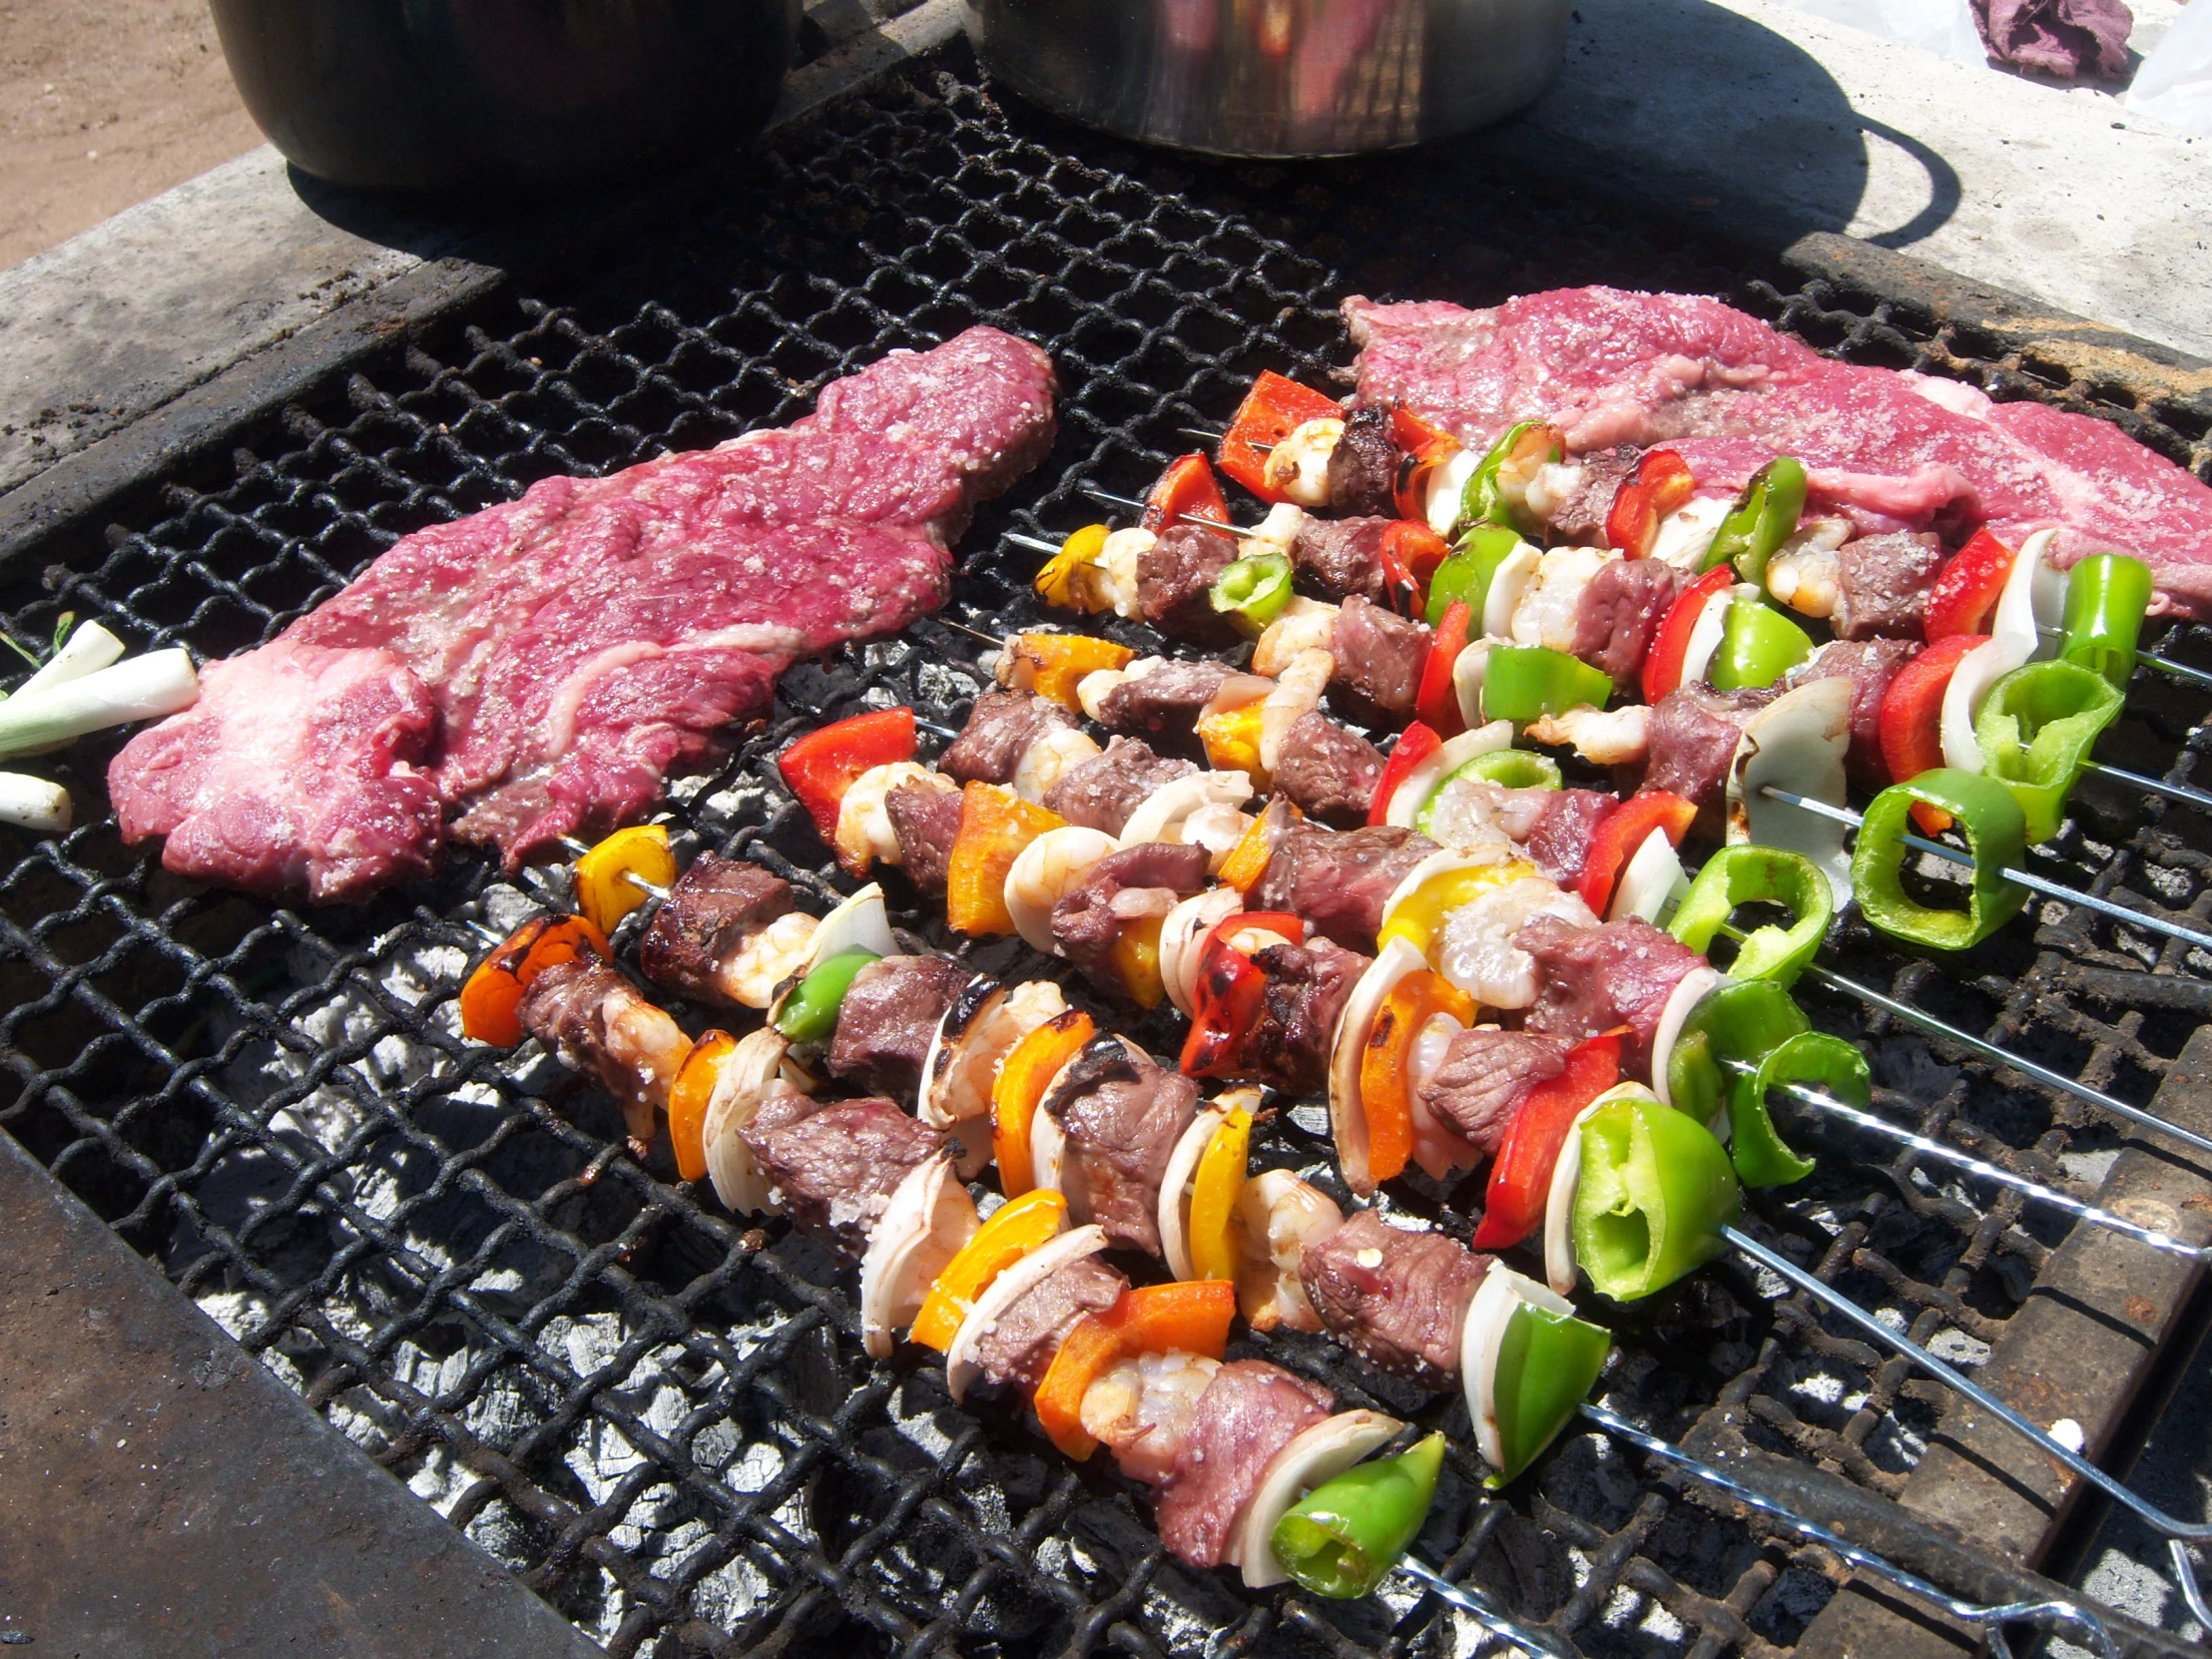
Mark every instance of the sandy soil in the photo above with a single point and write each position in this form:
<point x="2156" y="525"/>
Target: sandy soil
<point x="104" y="103"/>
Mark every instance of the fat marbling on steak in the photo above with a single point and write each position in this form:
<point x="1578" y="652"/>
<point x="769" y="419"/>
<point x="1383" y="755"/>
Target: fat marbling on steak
<point x="539" y="667"/>
<point x="1896" y="450"/>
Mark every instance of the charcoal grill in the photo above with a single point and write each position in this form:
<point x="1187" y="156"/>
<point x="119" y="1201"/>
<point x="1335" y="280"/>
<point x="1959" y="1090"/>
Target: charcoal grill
<point x="659" y="1417"/>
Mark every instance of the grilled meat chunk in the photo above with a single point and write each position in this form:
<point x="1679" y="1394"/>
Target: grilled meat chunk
<point x="1175" y="579"/>
<point x="1121" y="888"/>
<point x="1122" y="1115"/>
<point x="1596" y="978"/>
<point x="1379" y="654"/>
<point x="1694" y="732"/>
<point x="1485" y="1076"/>
<point x="1339" y="881"/>
<point x="889" y="1016"/>
<point x="1327" y="770"/>
<point x="1869" y="666"/>
<point x="832" y="1168"/>
<point x="714" y="907"/>
<point x="1620" y="612"/>
<point x="1560" y="841"/>
<point x="1398" y="1300"/>
<point x="1882" y="585"/>
<point x="1338" y="557"/>
<point x="1163" y="702"/>
<point x="999" y="730"/>
<point x="1307" y="988"/>
<point x="1018" y="1349"/>
<point x="1102" y="792"/>
<point x="597" y="1022"/>
<point x="927" y="823"/>
<point x="1363" y="468"/>
<point x="1578" y="519"/>
<point x="1250" y="1411"/>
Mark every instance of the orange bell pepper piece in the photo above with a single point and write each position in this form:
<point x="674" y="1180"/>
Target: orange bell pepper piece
<point x="1017" y="1227"/>
<point x="1192" y="1317"/>
<point x="604" y="891"/>
<point x="1248" y="859"/>
<point x="1022" y="1076"/>
<point x="1053" y="665"/>
<point x="689" y="1095"/>
<point x="1385" y="1065"/>
<point x="491" y="1001"/>
<point x="995" y="825"/>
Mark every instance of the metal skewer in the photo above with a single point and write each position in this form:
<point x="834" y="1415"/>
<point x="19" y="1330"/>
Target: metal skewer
<point x="2144" y="659"/>
<point x="1109" y="499"/>
<point x="2018" y="877"/>
<point x="1528" y="1641"/>
<point x="1989" y="1619"/>
<point x="2151" y="785"/>
<point x="2149" y="1513"/>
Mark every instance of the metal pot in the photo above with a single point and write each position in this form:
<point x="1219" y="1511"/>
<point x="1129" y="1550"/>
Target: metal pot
<point x="1274" y="77"/>
<point x="440" y="95"/>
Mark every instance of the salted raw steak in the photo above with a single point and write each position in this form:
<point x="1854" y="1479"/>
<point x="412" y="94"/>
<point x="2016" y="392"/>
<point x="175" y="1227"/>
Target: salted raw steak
<point x="540" y="667"/>
<point x="1897" y="451"/>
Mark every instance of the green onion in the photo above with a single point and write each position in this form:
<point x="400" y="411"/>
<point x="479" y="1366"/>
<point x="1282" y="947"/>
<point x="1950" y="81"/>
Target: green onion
<point x="90" y="649"/>
<point x="143" y="687"/>
<point x="33" y="803"/>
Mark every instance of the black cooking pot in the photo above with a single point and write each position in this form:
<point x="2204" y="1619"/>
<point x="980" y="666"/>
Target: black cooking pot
<point x="444" y="95"/>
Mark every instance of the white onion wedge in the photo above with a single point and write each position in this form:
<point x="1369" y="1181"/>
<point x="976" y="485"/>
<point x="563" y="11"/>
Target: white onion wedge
<point x="1347" y="1118"/>
<point x="1797" y="743"/>
<point x="961" y="1369"/>
<point x="860" y="923"/>
<point x="1162" y="815"/>
<point x="1467" y="672"/>
<point x="1508" y="585"/>
<point x="1318" y="1455"/>
<point x="1705" y="635"/>
<point x="1501" y="1293"/>
<point x="1447" y="496"/>
<point x="1175" y="1182"/>
<point x="1425" y="778"/>
<point x="929" y="1217"/>
<point x="2014" y="640"/>
<point x="1691" y="989"/>
<point x="1182" y="933"/>
<point x="747" y="1075"/>
<point x="1650" y="883"/>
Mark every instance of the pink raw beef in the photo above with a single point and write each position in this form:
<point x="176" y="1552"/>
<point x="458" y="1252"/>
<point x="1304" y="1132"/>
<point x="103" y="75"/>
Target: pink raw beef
<point x="539" y="667"/>
<point x="1894" y="451"/>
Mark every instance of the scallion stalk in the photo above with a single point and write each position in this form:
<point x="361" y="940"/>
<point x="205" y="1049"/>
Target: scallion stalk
<point x="143" y="687"/>
<point x="33" y="803"/>
<point x="86" y="650"/>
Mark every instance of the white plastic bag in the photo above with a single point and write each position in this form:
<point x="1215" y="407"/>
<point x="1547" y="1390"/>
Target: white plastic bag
<point x="2174" y="83"/>
<point x="1944" y="27"/>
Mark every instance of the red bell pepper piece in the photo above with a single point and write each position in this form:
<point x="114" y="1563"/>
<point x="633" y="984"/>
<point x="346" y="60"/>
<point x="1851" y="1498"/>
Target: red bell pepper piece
<point x="1913" y="719"/>
<point x="822" y="766"/>
<point x="1230" y="990"/>
<point x="1187" y="491"/>
<point x="1520" y="1178"/>
<point x="1660" y="484"/>
<point x="1411" y="554"/>
<point x="1421" y="448"/>
<point x="1621" y="832"/>
<point x="1273" y="409"/>
<point x="1437" y="703"/>
<point x="1415" y="746"/>
<point x="1965" y="591"/>
<point x="1662" y="671"/>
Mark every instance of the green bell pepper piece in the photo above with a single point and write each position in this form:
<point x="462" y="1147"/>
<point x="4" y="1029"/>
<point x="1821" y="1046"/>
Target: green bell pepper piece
<point x="1656" y="1189"/>
<point x="1342" y="1538"/>
<point x="2036" y="728"/>
<point x="1747" y="875"/>
<point x="1467" y="573"/>
<point x="1763" y="519"/>
<point x="1252" y="589"/>
<point x="1810" y="1057"/>
<point x="1759" y="645"/>
<point x="1546" y="1365"/>
<point x="1527" y="681"/>
<point x="1988" y="814"/>
<point x="810" y="1014"/>
<point x="1484" y="501"/>
<point x="2106" y="597"/>
<point x="1716" y="1062"/>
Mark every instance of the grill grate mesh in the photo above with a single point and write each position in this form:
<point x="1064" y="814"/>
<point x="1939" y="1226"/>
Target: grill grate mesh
<point x="661" y="1418"/>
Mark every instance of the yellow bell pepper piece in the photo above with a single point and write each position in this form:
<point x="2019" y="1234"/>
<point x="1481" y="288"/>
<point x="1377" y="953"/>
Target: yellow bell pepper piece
<point x="1136" y="957"/>
<point x="605" y="892"/>
<point x="1017" y="1227"/>
<point x="1065" y="580"/>
<point x="1214" y="1194"/>
<point x="1052" y="665"/>
<point x="995" y="825"/>
<point x="1421" y="917"/>
<point x="1232" y="740"/>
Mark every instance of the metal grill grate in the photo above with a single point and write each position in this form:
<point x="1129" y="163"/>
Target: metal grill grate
<point x="663" y="1419"/>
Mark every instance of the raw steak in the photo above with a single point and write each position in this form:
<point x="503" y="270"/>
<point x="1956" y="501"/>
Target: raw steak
<point x="539" y="667"/>
<point x="1896" y="450"/>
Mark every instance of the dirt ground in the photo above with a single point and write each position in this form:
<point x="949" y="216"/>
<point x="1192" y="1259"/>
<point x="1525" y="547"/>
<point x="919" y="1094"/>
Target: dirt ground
<point x="104" y="103"/>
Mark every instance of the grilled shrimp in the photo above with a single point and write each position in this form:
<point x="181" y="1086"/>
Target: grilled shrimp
<point x="1278" y="532"/>
<point x="1113" y="580"/>
<point x="1049" y="868"/>
<point x="1279" y="1216"/>
<point x="1603" y="737"/>
<point x="1477" y="951"/>
<point x="1805" y="572"/>
<point x="1298" y="467"/>
<point x="865" y="832"/>
<point x="1143" y="1409"/>
<point x="1550" y="607"/>
<point x="767" y="959"/>
<point x="1302" y="625"/>
<point x="1049" y="759"/>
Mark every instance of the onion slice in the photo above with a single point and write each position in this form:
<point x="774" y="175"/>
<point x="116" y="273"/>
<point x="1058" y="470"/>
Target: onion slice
<point x="1160" y="817"/>
<point x="961" y="1367"/>
<point x="1180" y="937"/>
<point x="2014" y="639"/>
<point x="1316" y="1456"/>
<point x="1691" y="989"/>
<point x="1705" y="633"/>
<point x="1175" y="1182"/>
<point x="746" y="1077"/>
<point x="1650" y="883"/>
<point x="1796" y="742"/>
<point x="929" y="1217"/>
<point x="1348" y="1117"/>
<point x="1508" y="585"/>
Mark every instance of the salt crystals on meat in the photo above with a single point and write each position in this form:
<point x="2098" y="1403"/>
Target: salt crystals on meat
<point x="539" y="667"/>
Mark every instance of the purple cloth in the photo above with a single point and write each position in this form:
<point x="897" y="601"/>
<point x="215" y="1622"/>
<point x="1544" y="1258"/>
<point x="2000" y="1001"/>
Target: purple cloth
<point x="2072" y="40"/>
